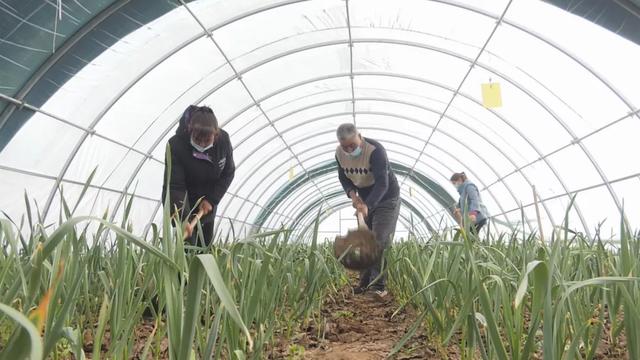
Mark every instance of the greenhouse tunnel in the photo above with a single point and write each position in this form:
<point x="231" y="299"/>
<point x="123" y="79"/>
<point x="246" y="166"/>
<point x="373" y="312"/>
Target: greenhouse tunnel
<point x="252" y="108"/>
<point x="101" y="85"/>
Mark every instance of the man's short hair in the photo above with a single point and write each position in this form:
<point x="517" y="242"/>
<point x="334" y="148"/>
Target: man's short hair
<point x="346" y="131"/>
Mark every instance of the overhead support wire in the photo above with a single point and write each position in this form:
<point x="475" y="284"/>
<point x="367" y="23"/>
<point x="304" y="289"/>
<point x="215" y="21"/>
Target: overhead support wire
<point x="351" y="77"/>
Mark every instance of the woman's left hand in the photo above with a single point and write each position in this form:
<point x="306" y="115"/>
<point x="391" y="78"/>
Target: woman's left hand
<point x="473" y="218"/>
<point x="205" y="207"/>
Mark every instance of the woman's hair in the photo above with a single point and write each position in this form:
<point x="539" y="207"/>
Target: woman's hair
<point x="459" y="176"/>
<point x="203" y="124"/>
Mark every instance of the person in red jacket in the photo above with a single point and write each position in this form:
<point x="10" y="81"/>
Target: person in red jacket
<point x="202" y="169"/>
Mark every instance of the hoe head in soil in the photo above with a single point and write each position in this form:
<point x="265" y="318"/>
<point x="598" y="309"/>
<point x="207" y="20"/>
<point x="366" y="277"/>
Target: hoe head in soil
<point x="359" y="247"/>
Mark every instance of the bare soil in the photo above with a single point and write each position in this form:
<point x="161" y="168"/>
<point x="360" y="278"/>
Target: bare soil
<point x="359" y="327"/>
<point x="356" y="327"/>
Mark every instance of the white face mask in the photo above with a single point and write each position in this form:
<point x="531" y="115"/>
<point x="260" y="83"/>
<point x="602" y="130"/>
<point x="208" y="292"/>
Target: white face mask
<point x="356" y="152"/>
<point x="200" y="148"/>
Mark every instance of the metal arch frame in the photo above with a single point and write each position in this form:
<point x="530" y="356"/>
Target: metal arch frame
<point x="500" y="117"/>
<point x="387" y="90"/>
<point x="306" y="219"/>
<point x="444" y="151"/>
<point x="69" y="181"/>
<point x="159" y="205"/>
<point x="293" y="201"/>
<point x="286" y="161"/>
<point x="108" y="189"/>
<point x="529" y="142"/>
<point x="588" y="155"/>
<point x="58" y="54"/>
<point x="516" y="26"/>
<point x="422" y="223"/>
<point x="310" y="202"/>
<point x="334" y="192"/>
<point x="353" y="92"/>
<point x="402" y="218"/>
<point x="508" y="211"/>
<point x="301" y="196"/>
<point x="105" y="14"/>
<point x="468" y="97"/>
<point x="426" y="186"/>
<point x="547" y="41"/>
<point x="582" y="219"/>
<point x="336" y="100"/>
<point x="488" y="165"/>
<point x="285" y="206"/>
<point x="550" y="112"/>
<point x="411" y="104"/>
<point x="380" y="41"/>
<point x="581" y="138"/>
<point x="455" y="93"/>
<point x="558" y="196"/>
<point x="476" y="10"/>
<point x="586" y="188"/>
<point x="374" y="99"/>
<point x="134" y="81"/>
<point x="267" y="208"/>
<point x="402" y="145"/>
<point x="322" y="154"/>
<point x="92" y="132"/>
<point x="550" y="154"/>
<point x="253" y="98"/>
<point x="428" y="166"/>
<point x="235" y="195"/>
<point x="543" y="200"/>
<point x="288" y="202"/>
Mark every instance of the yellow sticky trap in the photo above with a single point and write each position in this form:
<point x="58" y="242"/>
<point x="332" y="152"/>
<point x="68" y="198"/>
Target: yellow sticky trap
<point x="491" y="95"/>
<point x="410" y="192"/>
<point x="292" y="173"/>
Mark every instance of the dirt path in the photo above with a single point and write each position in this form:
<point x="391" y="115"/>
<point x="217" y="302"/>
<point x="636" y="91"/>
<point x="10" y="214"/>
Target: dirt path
<point x="357" y="327"/>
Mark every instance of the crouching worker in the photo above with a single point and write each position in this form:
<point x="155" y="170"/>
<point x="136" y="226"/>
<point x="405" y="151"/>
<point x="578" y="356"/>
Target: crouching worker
<point x="470" y="202"/>
<point x="367" y="179"/>
<point x="202" y="169"/>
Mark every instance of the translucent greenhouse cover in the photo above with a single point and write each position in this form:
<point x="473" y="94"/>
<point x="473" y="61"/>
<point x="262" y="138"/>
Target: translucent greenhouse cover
<point x="282" y="75"/>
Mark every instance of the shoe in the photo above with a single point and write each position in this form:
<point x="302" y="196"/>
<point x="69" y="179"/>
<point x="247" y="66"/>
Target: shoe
<point x="357" y="290"/>
<point x="380" y="295"/>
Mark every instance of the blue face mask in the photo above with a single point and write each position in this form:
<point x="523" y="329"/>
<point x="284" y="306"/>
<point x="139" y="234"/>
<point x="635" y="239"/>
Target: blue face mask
<point x="459" y="186"/>
<point x="200" y="148"/>
<point x="357" y="152"/>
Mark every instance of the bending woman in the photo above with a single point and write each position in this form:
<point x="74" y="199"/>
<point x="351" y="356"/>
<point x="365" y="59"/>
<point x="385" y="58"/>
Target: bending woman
<point x="202" y="169"/>
<point x="470" y="202"/>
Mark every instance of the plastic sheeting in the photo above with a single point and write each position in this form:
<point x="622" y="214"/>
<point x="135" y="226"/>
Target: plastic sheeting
<point x="282" y="75"/>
